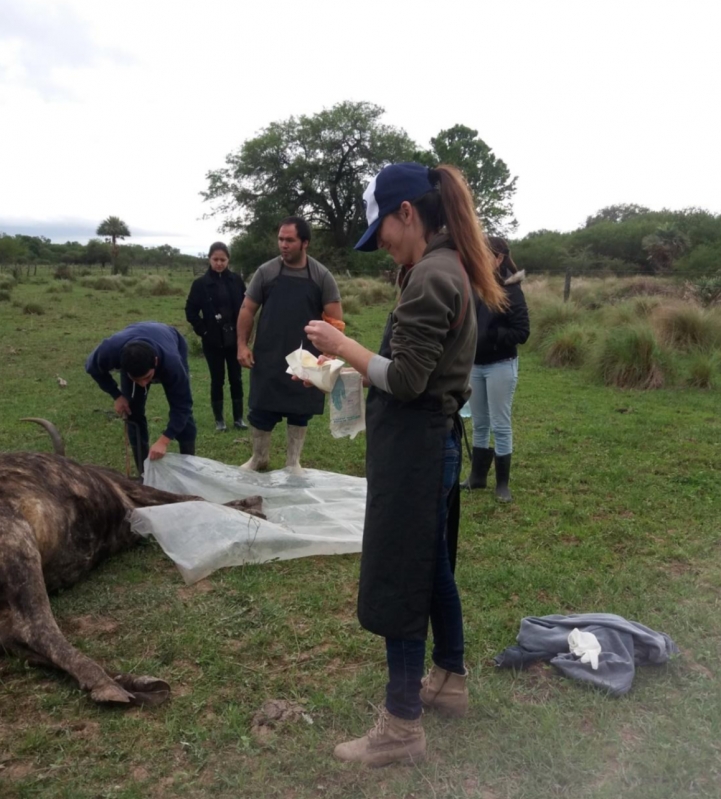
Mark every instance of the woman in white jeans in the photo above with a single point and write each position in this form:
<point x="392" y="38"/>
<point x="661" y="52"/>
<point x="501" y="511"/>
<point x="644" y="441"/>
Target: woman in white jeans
<point x="495" y="374"/>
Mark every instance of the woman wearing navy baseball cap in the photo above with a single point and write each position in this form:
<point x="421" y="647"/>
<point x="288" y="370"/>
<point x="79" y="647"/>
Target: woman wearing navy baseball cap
<point x="426" y="221"/>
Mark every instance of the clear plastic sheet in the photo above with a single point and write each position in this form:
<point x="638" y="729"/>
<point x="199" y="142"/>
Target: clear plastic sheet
<point x="320" y="513"/>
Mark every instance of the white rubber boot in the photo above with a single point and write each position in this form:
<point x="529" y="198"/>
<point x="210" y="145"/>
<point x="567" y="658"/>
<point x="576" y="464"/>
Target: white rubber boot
<point x="261" y="451"/>
<point x="296" y="439"/>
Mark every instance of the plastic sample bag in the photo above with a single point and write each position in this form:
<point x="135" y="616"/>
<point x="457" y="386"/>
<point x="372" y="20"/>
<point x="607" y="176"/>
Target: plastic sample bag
<point x="320" y="513"/>
<point x="347" y="405"/>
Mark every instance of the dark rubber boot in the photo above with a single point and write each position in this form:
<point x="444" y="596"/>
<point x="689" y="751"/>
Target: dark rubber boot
<point x="503" y="474"/>
<point x="218" y="413"/>
<point x="480" y="466"/>
<point x="238" y="415"/>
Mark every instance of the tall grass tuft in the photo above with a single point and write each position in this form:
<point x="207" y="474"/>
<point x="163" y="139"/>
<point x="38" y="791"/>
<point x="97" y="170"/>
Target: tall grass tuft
<point x="33" y="308"/>
<point x="687" y="328"/>
<point x="702" y="370"/>
<point x="104" y="283"/>
<point x="551" y="317"/>
<point x="566" y="346"/>
<point x="63" y="272"/>
<point x="157" y="287"/>
<point x="630" y="357"/>
<point x="59" y="288"/>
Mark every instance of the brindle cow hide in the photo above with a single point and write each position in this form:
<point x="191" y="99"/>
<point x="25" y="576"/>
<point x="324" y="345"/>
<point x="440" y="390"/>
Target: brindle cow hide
<point x="58" y="521"/>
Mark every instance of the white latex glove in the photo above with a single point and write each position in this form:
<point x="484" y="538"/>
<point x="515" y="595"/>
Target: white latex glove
<point x="585" y="646"/>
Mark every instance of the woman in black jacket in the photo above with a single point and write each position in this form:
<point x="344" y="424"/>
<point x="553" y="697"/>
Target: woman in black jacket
<point x="212" y="309"/>
<point x="495" y="374"/>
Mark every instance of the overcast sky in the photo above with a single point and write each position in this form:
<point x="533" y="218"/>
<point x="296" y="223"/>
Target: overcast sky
<point x="122" y="107"/>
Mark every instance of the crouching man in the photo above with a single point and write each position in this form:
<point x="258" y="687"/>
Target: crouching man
<point x="145" y="353"/>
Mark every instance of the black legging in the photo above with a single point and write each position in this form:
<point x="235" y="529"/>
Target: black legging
<point x="217" y="358"/>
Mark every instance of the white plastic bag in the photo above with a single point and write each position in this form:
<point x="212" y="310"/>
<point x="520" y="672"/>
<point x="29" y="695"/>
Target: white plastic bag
<point x="304" y="365"/>
<point x="347" y="405"/>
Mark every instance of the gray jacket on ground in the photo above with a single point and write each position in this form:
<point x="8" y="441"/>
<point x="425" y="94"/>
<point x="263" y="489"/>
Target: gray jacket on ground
<point x="624" y="645"/>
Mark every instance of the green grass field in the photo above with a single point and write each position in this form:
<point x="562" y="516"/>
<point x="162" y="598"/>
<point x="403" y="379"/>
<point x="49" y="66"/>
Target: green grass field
<point x="616" y="509"/>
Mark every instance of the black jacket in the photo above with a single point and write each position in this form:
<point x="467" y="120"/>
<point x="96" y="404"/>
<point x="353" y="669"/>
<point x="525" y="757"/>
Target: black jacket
<point x="500" y="333"/>
<point x="211" y="294"/>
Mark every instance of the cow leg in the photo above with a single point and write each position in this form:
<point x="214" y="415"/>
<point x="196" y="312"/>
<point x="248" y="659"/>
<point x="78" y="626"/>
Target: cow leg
<point x="31" y="621"/>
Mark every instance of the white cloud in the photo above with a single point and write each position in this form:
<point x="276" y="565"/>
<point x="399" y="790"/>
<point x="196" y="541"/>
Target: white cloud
<point x="122" y="108"/>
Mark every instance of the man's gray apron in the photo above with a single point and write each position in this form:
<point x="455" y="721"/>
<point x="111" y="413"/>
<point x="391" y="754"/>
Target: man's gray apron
<point x="404" y="467"/>
<point x="290" y="303"/>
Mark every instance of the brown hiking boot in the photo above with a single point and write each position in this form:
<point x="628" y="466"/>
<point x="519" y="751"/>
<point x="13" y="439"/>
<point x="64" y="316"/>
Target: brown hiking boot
<point x="445" y="692"/>
<point x="392" y="740"/>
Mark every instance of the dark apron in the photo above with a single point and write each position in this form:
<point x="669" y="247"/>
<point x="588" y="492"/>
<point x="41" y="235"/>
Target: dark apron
<point x="290" y="303"/>
<point x="404" y="467"/>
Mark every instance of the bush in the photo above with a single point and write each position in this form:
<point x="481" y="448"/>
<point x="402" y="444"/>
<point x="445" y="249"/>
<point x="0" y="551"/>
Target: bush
<point x="703" y="370"/>
<point x="7" y="282"/>
<point x="629" y="357"/>
<point x="4" y="295"/>
<point x="706" y="290"/>
<point x="63" y="272"/>
<point x="687" y="328"/>
<point x="566" y="346"/>
<point x="33" y="308"/>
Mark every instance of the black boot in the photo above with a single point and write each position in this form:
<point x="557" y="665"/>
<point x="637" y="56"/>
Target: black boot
<point x="238" y="415"/>
<point x="480" y="465"/>
<point x="218" y="413"/>
<point x="503" y="474"/>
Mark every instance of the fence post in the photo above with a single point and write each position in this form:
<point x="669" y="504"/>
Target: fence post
<point x="567" y="285"/>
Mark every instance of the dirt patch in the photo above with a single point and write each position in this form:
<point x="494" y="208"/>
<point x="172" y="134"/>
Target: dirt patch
<point x="90" y="626"/>
<point x="196" y="589"/>
<point x="274" y="714"/>
<point x="535" y="684"/>
<point x="15" y="771"/>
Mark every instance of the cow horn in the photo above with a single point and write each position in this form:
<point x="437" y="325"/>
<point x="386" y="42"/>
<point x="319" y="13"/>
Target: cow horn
<point x="58" y="443"/>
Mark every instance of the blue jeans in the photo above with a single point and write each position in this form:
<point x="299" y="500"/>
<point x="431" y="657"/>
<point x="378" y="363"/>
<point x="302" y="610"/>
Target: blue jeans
<point x="492" y="389"/>
<point x="406" y="659"/>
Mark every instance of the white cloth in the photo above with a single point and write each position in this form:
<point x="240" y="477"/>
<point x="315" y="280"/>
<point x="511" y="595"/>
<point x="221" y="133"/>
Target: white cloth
<point x="585" y="646"/>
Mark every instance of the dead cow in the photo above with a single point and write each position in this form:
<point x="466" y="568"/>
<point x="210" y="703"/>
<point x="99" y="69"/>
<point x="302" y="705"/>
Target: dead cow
<point x="58" y="521"/>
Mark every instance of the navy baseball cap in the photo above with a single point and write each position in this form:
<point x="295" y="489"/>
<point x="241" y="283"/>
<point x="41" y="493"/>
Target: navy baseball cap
<point x="389" y="188"/>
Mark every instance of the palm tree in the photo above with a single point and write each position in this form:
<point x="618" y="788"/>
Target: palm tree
<point x="664" y="246"/>
<point x="113" y="228"/>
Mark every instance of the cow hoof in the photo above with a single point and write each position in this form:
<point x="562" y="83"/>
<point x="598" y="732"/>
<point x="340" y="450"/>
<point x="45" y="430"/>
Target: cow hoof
<point x="144" y="690"/>
<point x="111" y="694"/>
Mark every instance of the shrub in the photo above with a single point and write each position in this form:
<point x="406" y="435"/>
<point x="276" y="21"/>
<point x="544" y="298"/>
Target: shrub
<point x="4" y="295"/>
<point x="566" y="346"/>
<point x="63" y="272"/>
<point x="706" y="290"/>
<point x="7" y="282"/>
<point x="33" y="308"/>
<point x="630" y="357"/>
<point x="687" y="328"/>
<point x="703" y="370"/>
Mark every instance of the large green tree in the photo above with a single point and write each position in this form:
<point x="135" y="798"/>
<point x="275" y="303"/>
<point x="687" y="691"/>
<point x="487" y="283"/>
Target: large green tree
<point x="316" y="166"/>
<point x="113" y="228"/>
<point x="488" y="176"/>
